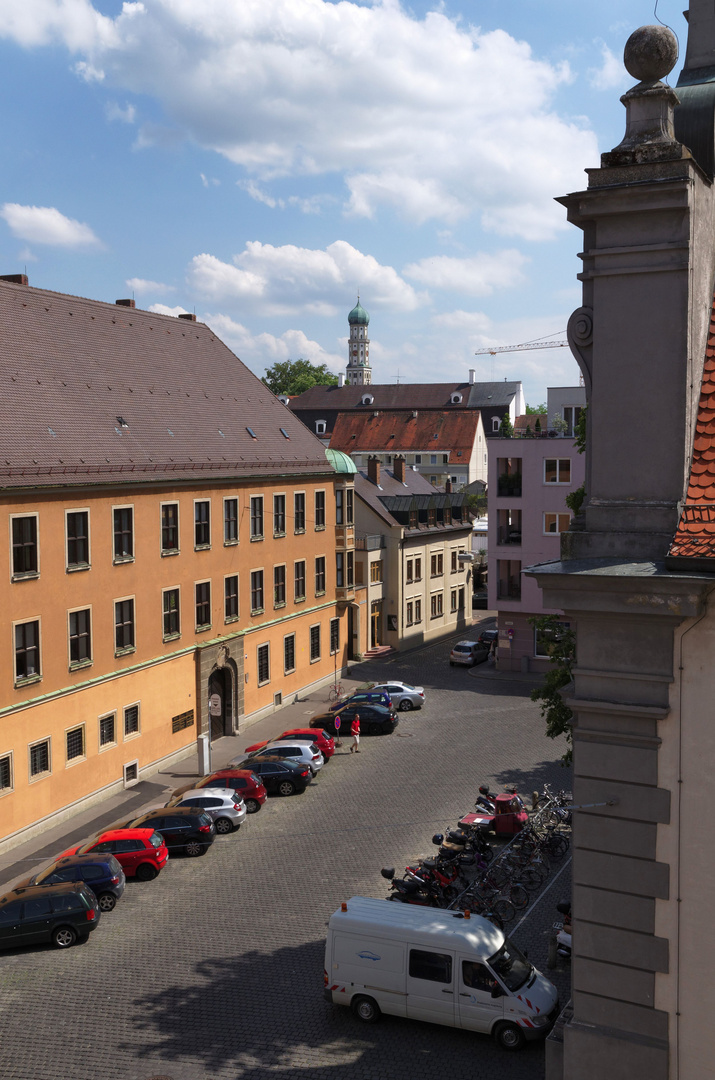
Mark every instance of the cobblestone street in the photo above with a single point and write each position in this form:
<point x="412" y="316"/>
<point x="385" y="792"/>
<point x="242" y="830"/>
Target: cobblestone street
<point x="215" y="970"/>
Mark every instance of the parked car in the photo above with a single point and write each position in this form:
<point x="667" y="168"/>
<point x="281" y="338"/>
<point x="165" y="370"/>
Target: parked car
<point x="469" y="653"/>
<point x="324" y="742"/>
<point x="61" y="914"/>
<point x="102" y="874"/>
<point x="141" y="853"/>
<point x="243" y="781"/>
<point x="184" y="828"/>
<point x="222" y="804"/>
<point x="281" y="775"/>
<point x="301" y="752"/>
<point x="373" y="696"/>
<point x="403" y="696"/>
<point x="374" y="720"/>
<point x="488" y="637"/>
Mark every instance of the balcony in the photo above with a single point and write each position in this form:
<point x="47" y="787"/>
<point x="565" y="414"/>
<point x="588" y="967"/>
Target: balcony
<point x="370" y="543"/>
<point x="509" y="589"/>
<point x="509" y="486"/>
<point x="507" y="534"/>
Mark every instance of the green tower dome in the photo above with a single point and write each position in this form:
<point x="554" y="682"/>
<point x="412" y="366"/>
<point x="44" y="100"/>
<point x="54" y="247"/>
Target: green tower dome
<point x="358" y="316"/>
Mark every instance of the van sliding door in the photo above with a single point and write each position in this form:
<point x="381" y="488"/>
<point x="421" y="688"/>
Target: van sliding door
<point x="430" y="986"/>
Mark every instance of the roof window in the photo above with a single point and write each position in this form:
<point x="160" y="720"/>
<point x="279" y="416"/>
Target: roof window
<point x="122" y="422"/>
<point x="367" y="399"/>
<point x="456" y="399"/>
<point x="251" y="432"/>
<point x="284" y="433"/>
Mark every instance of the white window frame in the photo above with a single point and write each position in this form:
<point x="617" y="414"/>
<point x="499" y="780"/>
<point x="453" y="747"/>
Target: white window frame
<point x="319" y="657"/>
<point x="31" y="574"/>
<point x="231" y="498"/>
<point x="300" y="532"/>
<point x="26" y="680"/>
<point x="261" y="496"/>
<point x="125" y="649"/>
<point x="170" y="637"/>
<point x="557" y="514"/>
<point x="333" y="652"/>
<point x="77" y="568"/>
<point x="103" y="747"/>
<point x="10" y="755"/>
<point x="289" y="671"/>
<point x="316" y="527"/>
<point x="320" y="427"/>
<point x="133" y="705"/>
<point x="556" y="483"/>
<point x="30" y="746"/>
<point x="69" y="762"/>
<point x="263" y="645"/>
<point x="119" y="560"/>
<point x="168" y="552"/>
<point x="237" y="616"/>
<point x="276" y="495"/>
<point x="256" y="570"/>
<point x="201" y="628"/>
<point x="77" y="665"/>
<point x="203" y="547"/>
<point x="496" y="423"/>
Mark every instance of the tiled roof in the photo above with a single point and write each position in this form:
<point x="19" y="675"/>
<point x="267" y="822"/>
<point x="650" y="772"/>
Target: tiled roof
<point x="695" y="535"/>
<point x="528" y="420"/>
<point x="397" y="431"/>
<point x="70" y="368"/>
<point x="415" y="484"/>
<point x="407" y="396"/>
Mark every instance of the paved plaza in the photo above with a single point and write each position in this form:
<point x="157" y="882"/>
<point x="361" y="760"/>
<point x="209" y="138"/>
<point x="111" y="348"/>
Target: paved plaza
<point x="215" y="970"/>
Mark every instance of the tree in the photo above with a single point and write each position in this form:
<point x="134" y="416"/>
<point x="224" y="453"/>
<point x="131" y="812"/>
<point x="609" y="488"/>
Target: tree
<point x="295" y="376"/>
<point x="506" y="428"/>
<point x="534" y="410"/>
<point x="559" y="643"/>
<point x="476" y="503"/>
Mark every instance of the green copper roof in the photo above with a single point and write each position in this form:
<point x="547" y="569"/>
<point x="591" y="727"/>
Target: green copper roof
<point x="342" y="463"/>
<point x="358" y="315"/>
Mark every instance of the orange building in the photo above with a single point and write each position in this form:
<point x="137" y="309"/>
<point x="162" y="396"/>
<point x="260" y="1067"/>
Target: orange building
<point x="179" y="549"/>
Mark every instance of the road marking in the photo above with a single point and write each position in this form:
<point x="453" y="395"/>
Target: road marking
<point x="540" y="897"/>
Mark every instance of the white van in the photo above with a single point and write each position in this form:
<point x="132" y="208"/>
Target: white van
<point x="435" y="965"/>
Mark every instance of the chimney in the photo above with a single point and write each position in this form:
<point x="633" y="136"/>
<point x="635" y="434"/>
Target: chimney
<point x="448" y="486"/>
<point x="373" y="470"/>
<point x="189" y="315"/>
<point x="125" y="303"/>
<point x="472" y="376"/>
<point x="341" y="379"/>
<point x="398" y="469"/>
<point x="15" y="279"/>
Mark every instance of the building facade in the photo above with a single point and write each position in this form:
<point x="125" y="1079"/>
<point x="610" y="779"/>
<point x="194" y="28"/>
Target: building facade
<point x="178" y="550"/>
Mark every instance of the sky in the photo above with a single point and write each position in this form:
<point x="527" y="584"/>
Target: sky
<point x="259" y="162"/>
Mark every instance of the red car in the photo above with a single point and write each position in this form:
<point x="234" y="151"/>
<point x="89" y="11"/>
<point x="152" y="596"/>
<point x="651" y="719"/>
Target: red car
<point x="140" y="852"/>
<point x="321" y="739"/>
<point x="243" y="781"/>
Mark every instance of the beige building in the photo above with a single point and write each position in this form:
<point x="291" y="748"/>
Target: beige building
<point x="412" y="559"/>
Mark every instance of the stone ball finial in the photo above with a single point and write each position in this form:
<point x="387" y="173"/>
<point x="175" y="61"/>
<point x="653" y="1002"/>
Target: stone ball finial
<point x="651" y="53"/>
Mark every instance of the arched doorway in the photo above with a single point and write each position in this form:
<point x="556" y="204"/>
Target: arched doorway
<point x="221" y="701"/>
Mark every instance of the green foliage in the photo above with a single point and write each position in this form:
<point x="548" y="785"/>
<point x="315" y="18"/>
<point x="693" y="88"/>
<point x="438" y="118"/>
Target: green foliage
<point x="537" y="426"/>
<point x="476" y="504"/>
<point x="529" y="434"/>
<point x="580" y="431"/>
<point x="574" y="500"/>
<point x="533" y="410"/>
<point x="296" y="376"/>
<point x="558" y="424"/>
<point x="559" y="642"/>
<point x="506" y="428"/>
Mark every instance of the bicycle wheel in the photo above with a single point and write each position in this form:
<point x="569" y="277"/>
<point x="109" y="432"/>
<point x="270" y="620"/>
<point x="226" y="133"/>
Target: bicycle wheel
<point x="519" y="897"/>
<point x="497" y="876"/>
<point x="550" y="817"/>
<point x="504" y="909"/>
<point x="556" y="846"/>
<point x="530" y="879"/>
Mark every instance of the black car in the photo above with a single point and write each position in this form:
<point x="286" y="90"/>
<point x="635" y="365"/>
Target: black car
<point x="488" y="636"/>
<point x="99" y="871"/>
<point x="61" y="914"/>
<point x="184" y="828"/>
<point x="280" y="776"/>
<point x="374" y="720"/>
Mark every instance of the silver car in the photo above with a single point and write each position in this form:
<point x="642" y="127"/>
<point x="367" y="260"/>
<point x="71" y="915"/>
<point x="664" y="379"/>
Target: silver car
<point x="402" y="695"/>
<point x="302" y="753"/>
<point x="469" y="653"/>
<point x="223" y="805"/>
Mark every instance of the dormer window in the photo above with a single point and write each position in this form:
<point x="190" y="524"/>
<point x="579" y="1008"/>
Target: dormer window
<point x="456" y="399"/>
<point x="320" y="427"/>
<point x="495" y="424"/>
<point x="367" y="399"/>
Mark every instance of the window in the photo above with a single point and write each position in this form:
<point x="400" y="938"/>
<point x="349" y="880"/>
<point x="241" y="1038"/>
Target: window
<point x="230" y="521"/>
<point x="40" y="758"/>
<point x="169" y="528"/>
<point x="418" y="459"/>
<point x="434" y="967"/>
<point x="495" y="424"/>
<point x="123" y="533"/>
<point x="230" y="598"/>
<point x="349" y="500"/>
<point x="508" y="579"/>
<point x="433" y="459"/>
<point x="299" y="580"/>
<point x="437" y="565"/>
<point x="203" y="604"/>
<point x="289" y="654"/>
<point x="320" y="575"/>
<point x="409" y="570"/>
<point x="314" y="644"/>
<point x="340" y="569"/>
<point x="431" y="512"/>
<point x="279" y="586"/>
<point x="409" y="613"/>
<point x="6" y="773"/>
<point x="453" y="600"/>
<point x="257" y="517"/>
<point x="264" y="670"/>
<point x="80" y="639"/>
<point x="107" y="730"/>
<point x="339" y="506"/>
<point x="557" y="470"/>
<point x="256" y="591"/>
<point x="418" y="569"/>
<point x="131" y="720"/>
<point x="447" y="515"/>
<point x="77" y="524"/>
<point x="556" y="523"/>
<point x="279" y="515"/>
<point x="545" y="639"/>
<point x="445" y="459"/>
<point x="571" y="416"/>
<point x="27" y="650"/>
<point x="455" y="564"/>
<point x="436" y="605"/>
<point x="75" y="743"/>
<point x="418" y="611"/>
<point x="202" y="524"/>
<point x="350" y="563"/>
<point x="376" y="570"/>
<point x="171" y="613"/>
<point x="123" y="625"/>
<point x="414" y="520"/>
<point x="320" y="510"/>
<point x="334" y="636"/>
<point x="358" y="573"/>
<point x="477" y="976"/>
<point x="24" y="545"/>
<point x="320" y="426"/>
<point x="299" y="512"/>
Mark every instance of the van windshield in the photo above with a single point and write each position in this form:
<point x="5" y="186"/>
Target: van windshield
<point x="511" y="966"/>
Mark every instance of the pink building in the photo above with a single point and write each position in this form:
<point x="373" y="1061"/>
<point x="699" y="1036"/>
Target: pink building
<point x="529" y="479"/>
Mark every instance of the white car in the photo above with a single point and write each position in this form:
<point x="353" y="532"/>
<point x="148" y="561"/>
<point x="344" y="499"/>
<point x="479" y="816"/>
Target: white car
<point x="224" y="805"/>
<point x="303" y="753"/>
<point x="402" y="695"/>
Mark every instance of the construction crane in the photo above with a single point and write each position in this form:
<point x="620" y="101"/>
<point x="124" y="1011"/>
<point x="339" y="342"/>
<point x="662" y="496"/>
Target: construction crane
<point x="522" y="348"/>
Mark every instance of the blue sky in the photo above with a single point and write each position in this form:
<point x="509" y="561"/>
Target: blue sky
<point x="258" y="161"/>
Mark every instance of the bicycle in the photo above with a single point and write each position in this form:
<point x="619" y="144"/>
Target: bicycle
<point x="335" y="692"/>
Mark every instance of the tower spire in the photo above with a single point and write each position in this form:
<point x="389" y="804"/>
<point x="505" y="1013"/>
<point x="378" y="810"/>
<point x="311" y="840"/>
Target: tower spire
<point x="359" y="372"/>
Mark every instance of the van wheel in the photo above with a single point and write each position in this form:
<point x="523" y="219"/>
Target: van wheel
<point x="509" y="1037"/>
<point x="366" y="1009"/>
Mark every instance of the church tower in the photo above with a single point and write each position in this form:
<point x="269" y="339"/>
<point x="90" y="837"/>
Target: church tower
<point x="358" y="369"/>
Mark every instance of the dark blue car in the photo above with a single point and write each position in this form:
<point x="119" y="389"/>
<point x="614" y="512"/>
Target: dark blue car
<point x="369" y="697"/>
<point x="100" y="871"/>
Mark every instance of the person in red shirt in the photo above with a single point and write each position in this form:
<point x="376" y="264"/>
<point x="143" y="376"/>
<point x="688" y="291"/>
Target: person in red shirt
<point x="355" y="732"/>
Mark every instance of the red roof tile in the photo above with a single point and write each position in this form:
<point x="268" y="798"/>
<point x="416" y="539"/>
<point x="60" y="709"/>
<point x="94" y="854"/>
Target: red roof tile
<point x="397" y="431"/>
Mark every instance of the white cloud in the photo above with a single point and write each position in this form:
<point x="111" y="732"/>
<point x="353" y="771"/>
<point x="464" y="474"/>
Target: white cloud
<point x="46" y="225"/>
<point x="25" y="255"/>
<point x="479" y="275"/>
<point x="426" y="116"/>
<point x="611" y="75"/>
<point x="472" y="322"/>
<point x="288" y="279"/>
<point x="114" y="111"/>
<point x="142" y="285"/>
<point x="209" y="181"/>
<point x="259" y="351"/>
<point x="162" y="309"/>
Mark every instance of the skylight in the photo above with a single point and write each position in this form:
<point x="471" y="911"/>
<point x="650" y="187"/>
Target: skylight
<point x="251" y="432"/>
